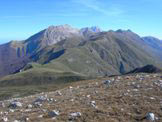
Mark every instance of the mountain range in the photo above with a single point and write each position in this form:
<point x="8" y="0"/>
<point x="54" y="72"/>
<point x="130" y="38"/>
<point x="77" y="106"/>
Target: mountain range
<point x="63" y="52"/>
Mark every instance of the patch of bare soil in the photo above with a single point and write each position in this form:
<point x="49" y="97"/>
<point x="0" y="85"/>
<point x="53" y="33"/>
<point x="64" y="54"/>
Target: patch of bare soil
<point x="127" y="98"/>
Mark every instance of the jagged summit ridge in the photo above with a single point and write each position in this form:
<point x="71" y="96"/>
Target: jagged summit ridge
<point x="62" y="28"/>
<point x="94" y="29"/>
<point x="89" y="31"/>
<point x="54" y="34"/>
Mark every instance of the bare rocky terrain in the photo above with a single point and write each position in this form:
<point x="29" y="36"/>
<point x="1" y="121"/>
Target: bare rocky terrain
<point x="128" y="98"/>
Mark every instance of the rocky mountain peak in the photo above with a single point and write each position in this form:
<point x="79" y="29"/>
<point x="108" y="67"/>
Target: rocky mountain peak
<point x="122" y="31"/>
<point x="54" y="34"/>
<point x="95" y="29"/>
<point x="92" y="29"/>
<point x="62" y="28"/>
<point x="89" y="31"/>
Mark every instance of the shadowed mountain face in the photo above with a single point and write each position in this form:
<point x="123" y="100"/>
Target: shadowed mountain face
<point x="13" y="57"/>
<point x="85" y="52"/>
<point x="146" y="69"/>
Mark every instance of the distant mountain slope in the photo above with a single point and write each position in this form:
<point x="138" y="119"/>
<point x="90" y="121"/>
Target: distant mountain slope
<point x="107" y="53"/>
<point x="153" y="42"/>
<point x="12" y="57"/>
<point x="155" y="46"/>
<point x="16" y="54"/>
<point x="87" y="52"/>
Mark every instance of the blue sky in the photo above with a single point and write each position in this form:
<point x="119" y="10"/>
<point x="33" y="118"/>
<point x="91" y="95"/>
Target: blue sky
<point x="20" y="19"/>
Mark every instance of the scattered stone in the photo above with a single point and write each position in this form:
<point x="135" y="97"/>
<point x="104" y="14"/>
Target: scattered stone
<point x="112" y="79"/>
<point x="11" y="110"/>
<point x="122" y="109"/>
<point x="28" y="110"/>
<point x="53" y="113"/>
<point x="125" y="94"/>
<point x="5" y="113"/>
<point x="15" y="104"/>
<point x="51" y="100"/>
<point x="135" y="90"/>
<point x="2" y="104"/>
<point x="107" y="82"/>
<point x="96" y="92"/>
<point x="16" y="121"/>
<point x="82" y="96"/>
<point x="27" y="119"/>
<point x="70" y="87"/>
<point x="118" y="77"/>
<point x="152" y="98"/>
<point x="37" y="104"/>
<point x="29" y="106"/>
<point x="128" y="90"/>
<point x="72" y="100"/>
<point x="4" y="119"/>
<point x="40" y="116"/>
<point x="93" y="103"/>
<point x="137" y="86"/>
<point x="150" y="116"/>
<point x="44" y="110"/>
<point x="141" y="78"/>
<point x="88" y="96"/>
<point x="59" y="93"/>
<point x="74" y="115"/>
<point x="40" y="99"/>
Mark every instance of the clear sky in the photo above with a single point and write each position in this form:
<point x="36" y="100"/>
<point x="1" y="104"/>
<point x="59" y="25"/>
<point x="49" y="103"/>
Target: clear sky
<point x="20" y="19"/>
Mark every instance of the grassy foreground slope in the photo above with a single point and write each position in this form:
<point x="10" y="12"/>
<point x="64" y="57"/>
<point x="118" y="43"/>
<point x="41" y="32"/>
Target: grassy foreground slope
<point x="35" y="80"/>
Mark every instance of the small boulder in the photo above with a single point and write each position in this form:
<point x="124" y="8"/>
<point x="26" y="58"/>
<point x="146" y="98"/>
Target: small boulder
<point x="15" y="104"/>
<point x="40" y="99"/>
<point x="53" y="113"/>
<point x="70" y="87"/>
<point x="150" y="116"/>
<point x="29" y="106"/>
<point x="2" y="104"/>
<point x="37" y="104"/>
<point x="16" y="121"/>
<point x="40" y="116"/>
<point x="107" y="82"/>
<point x="59" y="93"/>
<point x="74" y="115"/>
<point x="4" y="119"/>
<point x="93" y="103"/>
<point x="11" y="110"/>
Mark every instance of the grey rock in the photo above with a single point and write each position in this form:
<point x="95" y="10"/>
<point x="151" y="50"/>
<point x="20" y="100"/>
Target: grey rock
<point x="53" y="113"/>
<point x="107" y="82"/>
<point x="150" y="116"/>
<point x="74" y="115"/>
<point x="4" y="119"/>
<point x="15" y="104"/>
